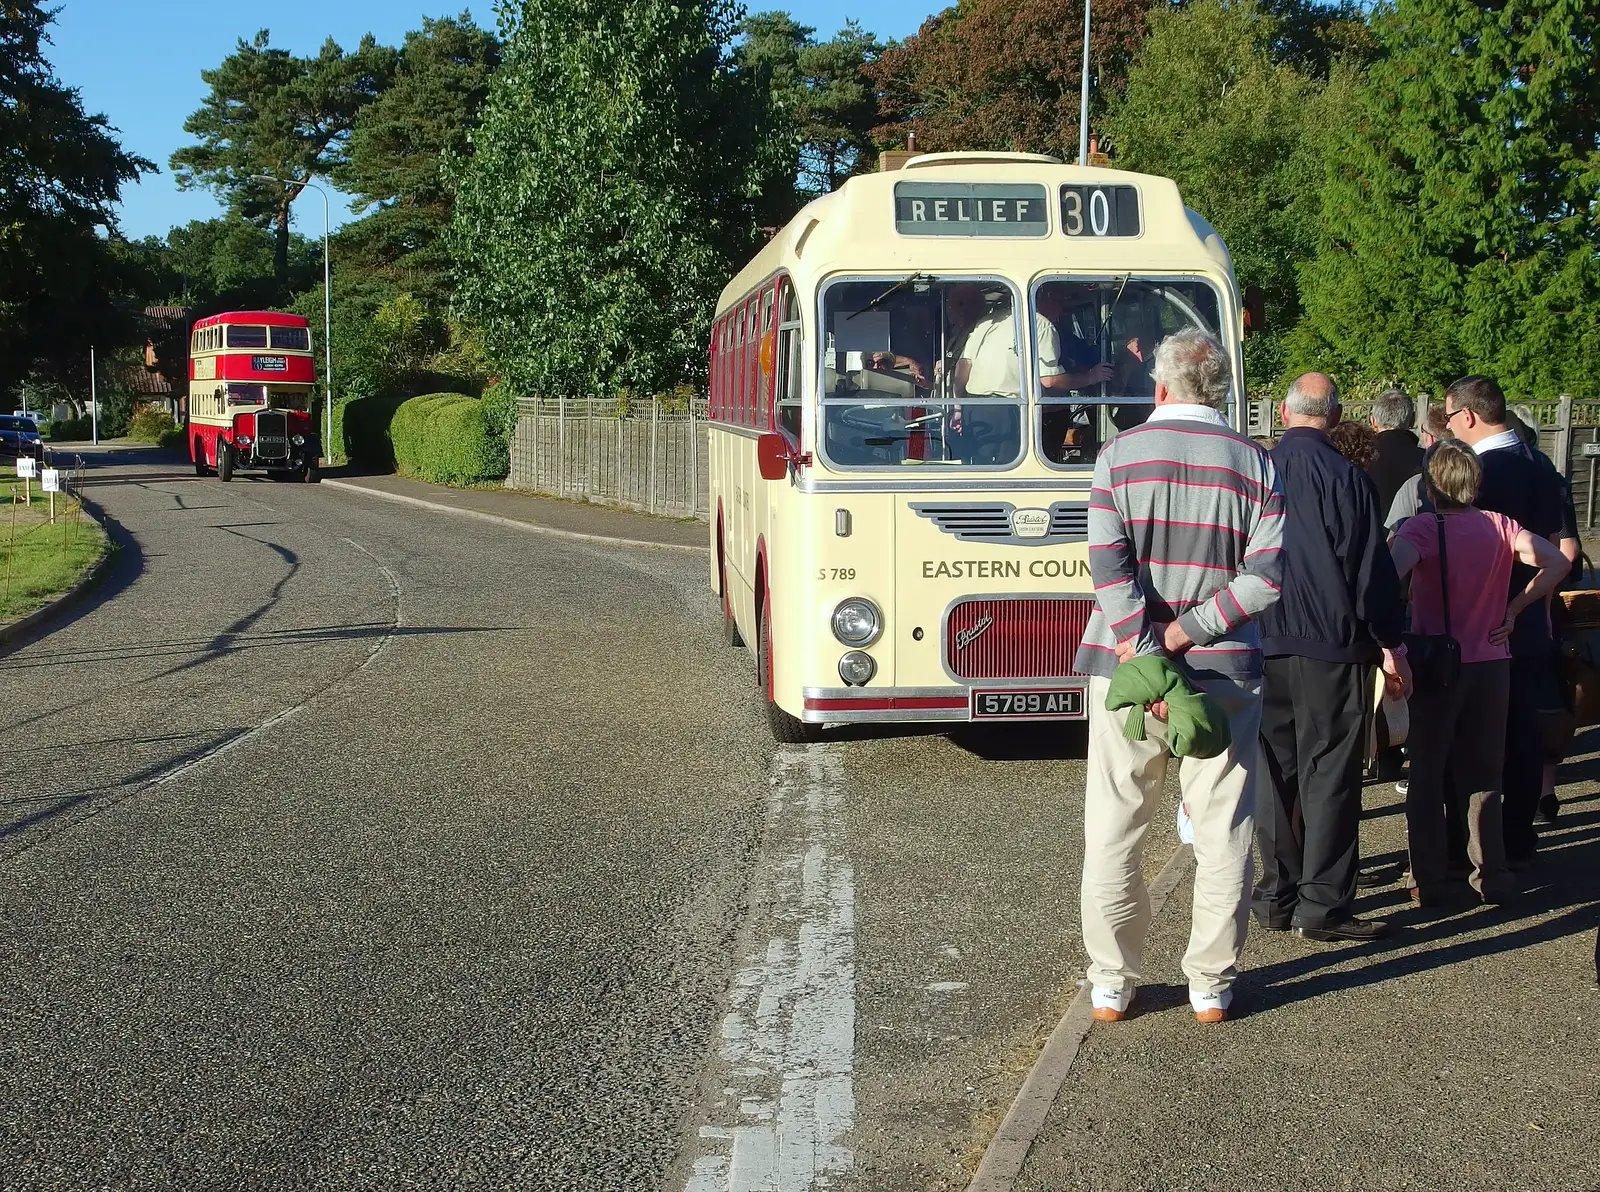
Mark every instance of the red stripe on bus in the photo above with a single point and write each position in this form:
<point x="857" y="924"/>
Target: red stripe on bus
<point x="899" y="703"/>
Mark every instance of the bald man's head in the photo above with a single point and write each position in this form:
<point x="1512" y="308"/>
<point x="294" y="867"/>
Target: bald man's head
<point x="1313" y="400"/>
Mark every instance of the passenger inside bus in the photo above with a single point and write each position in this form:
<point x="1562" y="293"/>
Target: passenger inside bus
<point x="1117" y="324"/>
<point x="921" y="371"/>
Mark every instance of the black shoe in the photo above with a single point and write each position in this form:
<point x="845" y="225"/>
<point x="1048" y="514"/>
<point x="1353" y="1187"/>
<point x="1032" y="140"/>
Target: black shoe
<point x="1272" y="924"/>
<point x="1359" y="930"/>
<point x="1376" y="879"/>
<point x="1549" y="808"/>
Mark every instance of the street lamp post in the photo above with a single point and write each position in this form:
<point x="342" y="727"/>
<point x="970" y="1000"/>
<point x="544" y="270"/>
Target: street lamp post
<point x="1083" y="98"/>
<point x="327" y="319"/>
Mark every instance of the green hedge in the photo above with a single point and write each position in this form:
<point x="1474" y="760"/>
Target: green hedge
<point x="149" y="424"/>
<point x="361" y="428"/>
<point x="450" y="438"/>
<point x="68" y="430"/>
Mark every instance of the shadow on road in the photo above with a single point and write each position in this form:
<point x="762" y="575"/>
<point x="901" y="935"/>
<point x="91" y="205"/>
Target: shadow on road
<point x="1025" y="742"/>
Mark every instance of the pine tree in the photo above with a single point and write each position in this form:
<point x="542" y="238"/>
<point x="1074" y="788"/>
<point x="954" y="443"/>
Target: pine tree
<point x="392" y="164"/>
<point x="1460" y="229"/>
<point x="610" y="193"/>
<point x="271" y="113"/>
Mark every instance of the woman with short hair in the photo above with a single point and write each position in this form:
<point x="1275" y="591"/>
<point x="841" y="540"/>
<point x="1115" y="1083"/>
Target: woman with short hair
<point x="1462" y="558"/>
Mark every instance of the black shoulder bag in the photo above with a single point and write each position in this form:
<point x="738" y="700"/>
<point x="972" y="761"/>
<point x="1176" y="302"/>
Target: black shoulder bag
<point x="1436" y="657"/>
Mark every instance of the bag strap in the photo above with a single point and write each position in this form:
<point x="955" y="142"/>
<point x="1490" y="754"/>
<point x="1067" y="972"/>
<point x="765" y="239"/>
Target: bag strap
<point x="1444" y="572"/>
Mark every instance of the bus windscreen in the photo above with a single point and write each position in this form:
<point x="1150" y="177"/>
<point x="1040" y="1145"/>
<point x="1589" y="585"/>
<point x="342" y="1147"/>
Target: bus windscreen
<point x="921" y="371"/>
<point x="1095" y="349"/>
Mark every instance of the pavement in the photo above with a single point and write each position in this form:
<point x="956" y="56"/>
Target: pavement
<point x="580" y="519"/>
<point x="349" y="843"/>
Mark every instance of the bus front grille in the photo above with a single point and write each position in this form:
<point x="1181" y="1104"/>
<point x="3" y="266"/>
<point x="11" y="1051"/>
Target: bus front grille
<point x="272" y="435"/>
<point x="1023" y="638"/>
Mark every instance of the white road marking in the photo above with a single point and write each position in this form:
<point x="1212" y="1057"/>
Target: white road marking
<point x="789" y="1039"/>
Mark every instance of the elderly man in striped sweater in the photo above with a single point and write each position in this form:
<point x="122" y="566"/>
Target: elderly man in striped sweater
<point x="1185" y="550"/>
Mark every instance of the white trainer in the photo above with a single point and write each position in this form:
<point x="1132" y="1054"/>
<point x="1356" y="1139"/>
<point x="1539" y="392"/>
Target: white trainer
<point x="1109" y="1005"/>
<point x="1210" y="1007"/>
<point x="1185" y="825"/>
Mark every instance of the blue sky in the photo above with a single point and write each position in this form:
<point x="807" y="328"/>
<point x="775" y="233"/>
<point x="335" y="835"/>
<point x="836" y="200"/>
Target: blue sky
<point x="140" y="64"/>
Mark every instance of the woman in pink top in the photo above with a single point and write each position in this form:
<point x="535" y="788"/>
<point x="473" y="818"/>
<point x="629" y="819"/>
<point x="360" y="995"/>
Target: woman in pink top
<point x="1464" y="724"/>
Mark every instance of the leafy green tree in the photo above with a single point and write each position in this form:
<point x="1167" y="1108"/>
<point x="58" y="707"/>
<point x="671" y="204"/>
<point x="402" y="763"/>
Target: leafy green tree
<point x="1004" y="74"/>
<point x="212" y="265"/>
<point x="271" y="113"/>
<point x="1209" y="104"/>
<point x="1459" y="231"/>
<point x="392" y="162"/>
<point x="610" y="192"/>
<point x="61" y="175"/>
<point x="822" y="98"/>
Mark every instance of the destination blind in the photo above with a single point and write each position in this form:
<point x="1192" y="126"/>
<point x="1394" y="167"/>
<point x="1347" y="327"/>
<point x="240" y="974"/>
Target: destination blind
<point x="970" y="209"/>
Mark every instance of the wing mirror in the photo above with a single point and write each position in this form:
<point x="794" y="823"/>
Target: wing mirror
<point x="773" y="456"/>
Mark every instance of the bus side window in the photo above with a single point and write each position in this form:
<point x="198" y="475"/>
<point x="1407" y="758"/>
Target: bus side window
<point x="790" y="361"/>
<point x="747" y="364"/>
<point x="753" y="410"/>
<point x="766" y="394"/>
<point x="725" y="368"/>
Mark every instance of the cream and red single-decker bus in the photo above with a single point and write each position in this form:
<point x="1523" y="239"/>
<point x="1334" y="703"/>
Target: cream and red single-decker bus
<point x="909" y="386"/>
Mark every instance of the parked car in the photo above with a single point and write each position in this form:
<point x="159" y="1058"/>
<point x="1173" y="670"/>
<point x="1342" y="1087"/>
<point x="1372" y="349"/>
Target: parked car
<point x="20" y="436"/>
<point x="36" y="415"/>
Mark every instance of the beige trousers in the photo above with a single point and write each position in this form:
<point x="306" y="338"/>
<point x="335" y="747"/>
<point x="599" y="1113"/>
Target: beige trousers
<point x="1126" y="783"/>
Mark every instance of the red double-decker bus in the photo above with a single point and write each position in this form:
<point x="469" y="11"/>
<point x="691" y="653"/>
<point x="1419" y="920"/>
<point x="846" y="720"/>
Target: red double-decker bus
<point x="250" y="385"/>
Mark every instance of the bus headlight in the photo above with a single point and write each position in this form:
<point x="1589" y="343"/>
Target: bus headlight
<point x="857" y="668"/>
<point x="298" y="440"/>
<point x="856" y="622"/>
<point x="243" y="440"/>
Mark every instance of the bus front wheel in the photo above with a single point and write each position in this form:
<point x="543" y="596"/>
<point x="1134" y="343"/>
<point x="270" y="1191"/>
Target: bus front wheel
<point x="786" y="729"/>
<point x="224" y="460"/>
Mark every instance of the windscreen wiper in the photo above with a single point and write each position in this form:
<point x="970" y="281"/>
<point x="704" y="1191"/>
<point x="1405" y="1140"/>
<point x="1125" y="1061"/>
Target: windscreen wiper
<point x="888" y="294"/>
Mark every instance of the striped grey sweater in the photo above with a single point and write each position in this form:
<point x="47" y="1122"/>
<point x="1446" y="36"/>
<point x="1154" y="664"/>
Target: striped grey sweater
<point x="1185" y="524"/>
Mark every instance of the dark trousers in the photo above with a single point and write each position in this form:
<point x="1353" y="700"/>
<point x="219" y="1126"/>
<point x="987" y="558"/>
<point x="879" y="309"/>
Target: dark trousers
<point x="1534" y="685"/>
<point x="1457" y="731"/>
<point x="1313" y="731"/>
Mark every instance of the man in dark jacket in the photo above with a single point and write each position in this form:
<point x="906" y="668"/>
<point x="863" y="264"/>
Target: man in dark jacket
<point x="1340" y="613"/>
<point x="1399" y="455"/>
<point x="1523" y="485"/>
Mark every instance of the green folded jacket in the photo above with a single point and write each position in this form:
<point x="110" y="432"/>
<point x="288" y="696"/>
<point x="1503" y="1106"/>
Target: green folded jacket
<point x="1196" y="724"/>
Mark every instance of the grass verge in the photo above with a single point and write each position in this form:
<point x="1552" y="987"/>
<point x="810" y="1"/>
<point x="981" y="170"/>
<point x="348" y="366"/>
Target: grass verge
<point x="39" y="559"/>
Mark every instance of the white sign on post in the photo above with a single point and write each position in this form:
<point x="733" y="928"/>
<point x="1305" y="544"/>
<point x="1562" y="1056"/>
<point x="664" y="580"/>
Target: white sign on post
<point x="27" y="467"/>
<point x="50" y="481"/>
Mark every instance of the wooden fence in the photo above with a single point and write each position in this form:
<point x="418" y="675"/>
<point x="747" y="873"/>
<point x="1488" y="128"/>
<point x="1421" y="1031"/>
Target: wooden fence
<point x="641" y="457"/>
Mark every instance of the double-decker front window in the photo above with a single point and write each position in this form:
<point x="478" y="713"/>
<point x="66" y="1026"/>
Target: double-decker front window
<point x="247" y="395"/>
<point x="289" y="339"/>
<point x="921" y="370"/>
<point x="1095" y="349"/>
<point x="246" y="335"/>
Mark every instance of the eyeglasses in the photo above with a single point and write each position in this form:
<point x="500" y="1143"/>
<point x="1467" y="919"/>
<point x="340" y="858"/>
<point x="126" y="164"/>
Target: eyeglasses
<point x="1452" y="413"/>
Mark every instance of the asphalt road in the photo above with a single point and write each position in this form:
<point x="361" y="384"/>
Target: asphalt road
<point x="348" y="845"/>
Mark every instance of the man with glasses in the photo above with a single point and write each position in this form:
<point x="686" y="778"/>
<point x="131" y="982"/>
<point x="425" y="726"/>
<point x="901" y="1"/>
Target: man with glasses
<point x="1522" y="484"/>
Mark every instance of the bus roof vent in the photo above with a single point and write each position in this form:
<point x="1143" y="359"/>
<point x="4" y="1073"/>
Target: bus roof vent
<point x="979" y="158"/>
